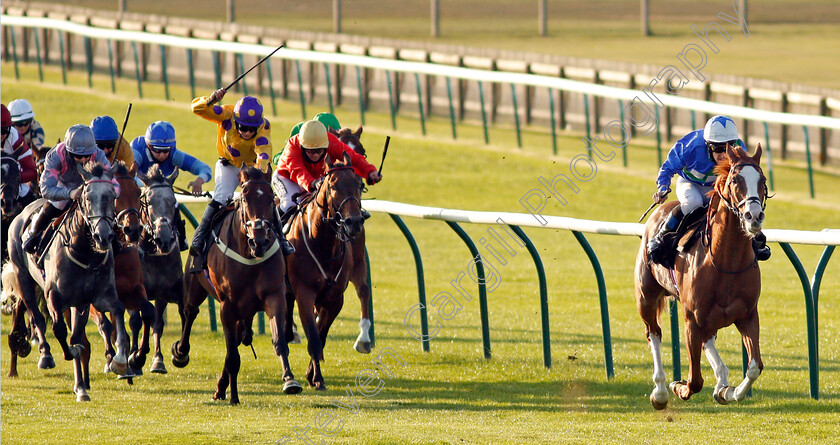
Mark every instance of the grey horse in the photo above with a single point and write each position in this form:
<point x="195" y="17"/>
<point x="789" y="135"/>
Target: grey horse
<point x="163" y="273"/>
<point x="78" y="272"/>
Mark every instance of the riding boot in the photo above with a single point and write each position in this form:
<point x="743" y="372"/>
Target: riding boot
<point x="365" y="214"/>
<point x="181" y="227"/>
<point x="670" y="226"/>
<point x="285" y="245"/>
<point x="198" y="248"/>
<point x="32" y="237"/>
<point x="762" y="250"/>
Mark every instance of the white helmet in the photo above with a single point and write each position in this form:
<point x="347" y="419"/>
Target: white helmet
<point x="21" y="110"/>
<point x="720" y="129"/>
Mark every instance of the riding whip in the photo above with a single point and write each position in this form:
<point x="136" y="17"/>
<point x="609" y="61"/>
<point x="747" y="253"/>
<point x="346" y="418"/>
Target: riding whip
<point x="119" y="141"/>
<point x="235" y="81"/>
<point x="646" y="211"/>
<point x="384" y="152"/>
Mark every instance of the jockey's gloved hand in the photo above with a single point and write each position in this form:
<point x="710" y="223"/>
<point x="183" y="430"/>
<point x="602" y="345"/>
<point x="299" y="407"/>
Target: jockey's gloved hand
<point x="315" y="184"/>
<point x="217" y="96"/>
<point x="74" y="194"/>
<point x="660" y="196"/>
<point x="374" y="177"/>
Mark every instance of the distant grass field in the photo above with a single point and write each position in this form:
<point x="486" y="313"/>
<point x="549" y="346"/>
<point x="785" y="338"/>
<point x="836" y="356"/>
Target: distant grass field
<point x="790" y="41"/>
<point x="452" y="395"/>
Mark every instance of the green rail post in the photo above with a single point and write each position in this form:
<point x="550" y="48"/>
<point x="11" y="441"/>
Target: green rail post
<point x="588" y="129"/>
<point x="420" y="103"/>
<point x="624" y="136"/>
<point x="482" y="286"/>
<point x="361" y="94"/>
<point x="14" y="52"/>
<point x="808" y="158"/>
<point x="244" y="84"/>
<point x="658" y="139"/>
<point x="451" y="108"/>
<point x="810" y="314"/>
<point x="271" y="88"/>
<point x="190" y="71"/>
<point x="371" y="332"/>
<point x="483" y="113"/>
<point x="694" y="120"/>
<point x="421" y="280"/>
<point x="111" y="66"/>
<point x="89" y="61"/>
<point x="261" y="322"/>
<point x="38" y="54"/>
<point x="329" y="87"/>
<point x="602" y="297"/>
<point x="217" y="69"/>
<point x="815" y="287"/>
<point x="137" y="69"/>
<point x="769" y="156"/>
<point x="163" y="71"/>
<point x="675" y="339"/>
<point x="516" y="116"/>
<point x="553" y="122"/>
<point x="300" y="90"/>
<point x="391" y="106"/>
<point x="60" y="50"/>
<point x="546" y="329"/>
<point x="211" y="303"/>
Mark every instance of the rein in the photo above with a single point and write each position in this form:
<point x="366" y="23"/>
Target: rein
<point x="125" y="212"/>
<point x="257" y="224"/>
<point x="146" y="218"/>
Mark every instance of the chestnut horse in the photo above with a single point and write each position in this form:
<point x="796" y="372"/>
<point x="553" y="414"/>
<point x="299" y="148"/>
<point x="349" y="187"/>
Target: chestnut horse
<point x="320" y="268"/>
<point x="717" y="281"/>
<point x="358" y="275"/>
<point x="243" y="262"/>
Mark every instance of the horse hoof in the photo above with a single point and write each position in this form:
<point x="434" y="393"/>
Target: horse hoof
<point x="157" y="365"/>
<point x="219" y="396"/>
<point x="178" y="359"/>
<point x="292" y="387"/>
<point x="46" y="362"/>
<point x="82" y="398"/>
<point x="657" y="405"/>
<point x="319" y="386"/>
<point x="362" y="347"/>
<point x="136" y="360"/>
<point x="720" y="396"/>
<point x="129" y="373"/>
<point x="119" y="367"/>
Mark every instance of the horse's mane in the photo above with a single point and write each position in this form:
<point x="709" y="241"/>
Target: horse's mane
<point x="722" y="171"/>
<point x="96" y="170"/>
<point x="155" y="175"/>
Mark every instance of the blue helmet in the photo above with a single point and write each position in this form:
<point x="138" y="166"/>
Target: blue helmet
<point x="104" y="128"/>
<point x="161" y="135"/>
<point x="248" y="111"/>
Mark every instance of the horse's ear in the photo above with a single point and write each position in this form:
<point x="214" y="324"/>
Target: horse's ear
<point x="114" y="167"/>
<point x="333" y="131"/>
<point x="732" y="153"/>
<point x="173" y="176"/>
<point x="83" y="171"/>
<point x="757" y="155"/>
<point x="329" y="161"/>
<point x="142" y="177"/>
<point x="347" y="159"/>
<point x="133" y="170"/>
<point x="358" y="132"/>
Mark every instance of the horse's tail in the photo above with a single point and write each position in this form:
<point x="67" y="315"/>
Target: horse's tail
<point x="10" y="292"/>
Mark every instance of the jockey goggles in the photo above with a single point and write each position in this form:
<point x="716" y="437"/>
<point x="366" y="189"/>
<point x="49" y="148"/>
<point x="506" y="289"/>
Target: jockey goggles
<point x="23" y="123"/>
<point x="106" y="145"/>
<point x="720" y="147"/>
<point x="247" y="128"/>
<point x="158" y="149"/>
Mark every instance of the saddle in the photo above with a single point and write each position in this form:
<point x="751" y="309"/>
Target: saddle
<point x="688" y="231"/>
<point x="49" y="233"/>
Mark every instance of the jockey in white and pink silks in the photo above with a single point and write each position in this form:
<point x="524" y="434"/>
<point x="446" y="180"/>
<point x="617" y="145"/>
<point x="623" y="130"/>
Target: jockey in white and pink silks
<point x="61" y="182"/>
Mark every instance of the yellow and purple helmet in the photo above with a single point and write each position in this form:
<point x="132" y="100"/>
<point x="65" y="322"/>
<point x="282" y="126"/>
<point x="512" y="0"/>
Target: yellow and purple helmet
<point x="248" y="112"/>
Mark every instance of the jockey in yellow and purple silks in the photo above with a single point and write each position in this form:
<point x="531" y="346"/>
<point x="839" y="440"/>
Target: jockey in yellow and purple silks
<point x="244" y="137"/>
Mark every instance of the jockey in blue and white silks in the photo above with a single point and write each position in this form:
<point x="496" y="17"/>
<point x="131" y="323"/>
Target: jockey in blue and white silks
<point x="693" y="158"/>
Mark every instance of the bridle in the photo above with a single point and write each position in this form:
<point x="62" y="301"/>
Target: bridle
<point x="145" y="214"/>
<point x="257" y="223"/>
<point x="6" y="185"/>
<point x="122" y="215"/>
<point x="93" y="220"/>
<point x="337" y="222"/>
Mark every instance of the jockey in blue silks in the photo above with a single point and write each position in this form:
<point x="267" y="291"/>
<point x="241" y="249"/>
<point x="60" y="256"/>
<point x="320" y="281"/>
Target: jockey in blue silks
<point x="158" y="147"/>
<point x="693" y="158"/>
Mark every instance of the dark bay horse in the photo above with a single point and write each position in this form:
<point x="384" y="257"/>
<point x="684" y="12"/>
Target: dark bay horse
<point x="78" y="272"/>
<point x="128" y="270"/>
<point x="321" y="266"/>
<point x="717" y="281"/>
<point x="243" y="264"/>
<point x="10" y="203"/>
<point x="358" y="275"/>
<point x="163" y="273"/>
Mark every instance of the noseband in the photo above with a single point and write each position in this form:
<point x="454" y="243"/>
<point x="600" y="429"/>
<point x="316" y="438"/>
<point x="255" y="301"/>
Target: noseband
<point x="735" y="208"/>
<point x="92" y="220"/>
<point x="337" y="221"/>
<point x="258" y="223"/>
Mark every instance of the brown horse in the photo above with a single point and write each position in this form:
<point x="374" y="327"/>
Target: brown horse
<point x="243" y="264"/>
<point x="359" y="272"/>
<point x="320" y="268"/>
<point x="128" y="271"/>
<point x="717" y="281"/>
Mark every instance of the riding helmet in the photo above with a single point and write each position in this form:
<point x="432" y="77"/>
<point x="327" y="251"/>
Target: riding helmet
<point x="720" y="129"/>
<point x="104" y="128"/>
<point x="21" y="110"/>
<point x="79" y="140"/>
<point x="329" y="120"/>
<point x="313" y="136"/>
<point x="248" y="111"/>
<point x="160" y="134"/>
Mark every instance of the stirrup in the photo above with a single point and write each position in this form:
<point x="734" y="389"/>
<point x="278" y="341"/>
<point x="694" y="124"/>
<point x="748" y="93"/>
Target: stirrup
<point x="32" y="242"/>
<point x="287" y="247"/>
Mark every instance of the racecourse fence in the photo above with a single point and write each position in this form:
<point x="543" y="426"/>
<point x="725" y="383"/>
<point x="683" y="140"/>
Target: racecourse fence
<point x="413" y="83"/>
<point x="830" y="238"/>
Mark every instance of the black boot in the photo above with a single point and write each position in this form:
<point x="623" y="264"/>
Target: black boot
<point x="198" y="248"/>
<point x="655" y="243"/>
<point x="762" y="250"/>
<point x="181" y="227"/>
<point x="32" y="237"/>
<point x="285" y="245"/>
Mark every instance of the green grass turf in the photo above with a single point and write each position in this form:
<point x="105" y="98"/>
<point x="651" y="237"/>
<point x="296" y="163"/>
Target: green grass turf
<point x="451" y="395"/>
<point x="789" y="41"/>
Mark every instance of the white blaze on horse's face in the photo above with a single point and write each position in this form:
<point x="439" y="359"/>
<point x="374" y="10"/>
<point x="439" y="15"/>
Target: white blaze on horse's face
<point x="751" y="211"/>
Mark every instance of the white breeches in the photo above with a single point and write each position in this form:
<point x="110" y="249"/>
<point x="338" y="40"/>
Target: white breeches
<point x="691" y="195"/>
<point x="284" y="188"/>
